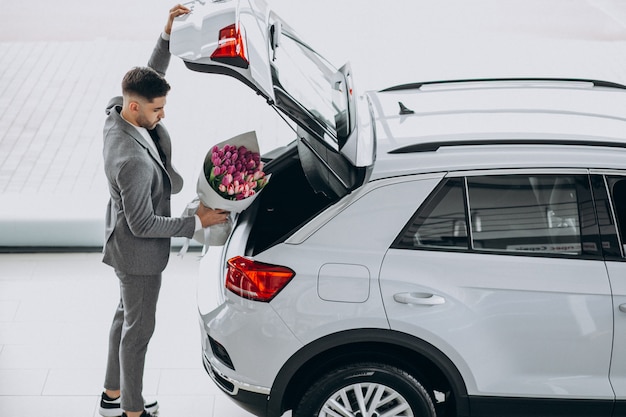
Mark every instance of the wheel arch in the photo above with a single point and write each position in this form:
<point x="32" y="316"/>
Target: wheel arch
<point x="416" y="356"/>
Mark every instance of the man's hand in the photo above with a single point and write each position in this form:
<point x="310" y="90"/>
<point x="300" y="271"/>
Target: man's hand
<point x="175" y="11"/>
<point x="209" y="217"/>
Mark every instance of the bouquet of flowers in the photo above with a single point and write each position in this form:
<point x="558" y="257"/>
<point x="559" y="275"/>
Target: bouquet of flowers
<point x="231" y="178"/>
<point x="234" y="172"/>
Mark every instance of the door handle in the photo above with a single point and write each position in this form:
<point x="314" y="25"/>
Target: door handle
<point x="419" y="298"/>
<point x="622" y="308"/>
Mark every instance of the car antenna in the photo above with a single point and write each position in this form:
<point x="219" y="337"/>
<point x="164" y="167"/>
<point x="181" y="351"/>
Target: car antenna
<point x="404" y="109"/>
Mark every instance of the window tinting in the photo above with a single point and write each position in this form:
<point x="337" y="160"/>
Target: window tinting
<point x="520" y="213"/>
<point x="617" y="186"/>
<point x="309" y="87"/>
<point x="440" y="222"/>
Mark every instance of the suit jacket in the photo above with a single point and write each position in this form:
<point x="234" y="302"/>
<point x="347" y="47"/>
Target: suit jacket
<point x="138" y="223"/>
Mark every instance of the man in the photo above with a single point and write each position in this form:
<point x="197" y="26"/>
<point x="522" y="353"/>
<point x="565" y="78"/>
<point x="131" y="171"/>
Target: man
<point x="141" y="178"/>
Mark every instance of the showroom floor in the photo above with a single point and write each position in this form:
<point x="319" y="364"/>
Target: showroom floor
<point x="55" y="312"/>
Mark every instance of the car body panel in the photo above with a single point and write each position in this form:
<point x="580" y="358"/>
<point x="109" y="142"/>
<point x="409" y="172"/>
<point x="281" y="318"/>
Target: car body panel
<point x="504" y="111"/>
<point x="356" y="237"/>
<point x="610" y="208"/>
<point x="504" y="345"/>
<point x="238" y="319"/>
<point x="499" y="109"/>
<point x="195" y="37"/>
<point x="617" y="274"/>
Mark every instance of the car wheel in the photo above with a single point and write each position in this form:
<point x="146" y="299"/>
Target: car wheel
<point x="366" y="390"/>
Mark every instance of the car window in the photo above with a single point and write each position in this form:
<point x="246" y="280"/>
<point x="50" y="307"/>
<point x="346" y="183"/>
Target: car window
<point x="522" y="214"/>
<point x="307" y="85"/>
<point x="440" y="222"/>
<point x="617" y="187"/>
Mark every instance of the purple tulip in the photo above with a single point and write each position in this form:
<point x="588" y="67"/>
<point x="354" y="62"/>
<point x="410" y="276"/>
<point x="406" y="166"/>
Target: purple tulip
<point x="236" y="172"/>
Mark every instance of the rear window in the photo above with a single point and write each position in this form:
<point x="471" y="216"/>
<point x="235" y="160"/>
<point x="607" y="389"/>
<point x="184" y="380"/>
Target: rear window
<point x="310" y="89"/>
<point x="441" y="221"/>
<point x="522" y="214"/>
<point x="517" y="213"/>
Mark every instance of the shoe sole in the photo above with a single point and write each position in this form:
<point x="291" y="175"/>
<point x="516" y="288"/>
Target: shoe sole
<point x="106" y="412"/>
<point x="117" y="412"/>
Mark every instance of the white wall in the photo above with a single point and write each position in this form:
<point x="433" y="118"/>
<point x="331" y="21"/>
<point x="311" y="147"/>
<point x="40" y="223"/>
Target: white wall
<point x="387" y="42"/>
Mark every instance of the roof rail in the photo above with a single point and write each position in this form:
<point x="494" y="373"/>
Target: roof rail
<point x="418" y="85"/>
<point x="434" y="146"/>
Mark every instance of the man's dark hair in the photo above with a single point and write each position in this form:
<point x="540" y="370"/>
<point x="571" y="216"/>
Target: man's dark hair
<point x="145" y="82"/>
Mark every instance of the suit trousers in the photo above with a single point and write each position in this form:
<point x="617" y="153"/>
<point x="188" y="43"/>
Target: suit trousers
<point x="131" y="330"/>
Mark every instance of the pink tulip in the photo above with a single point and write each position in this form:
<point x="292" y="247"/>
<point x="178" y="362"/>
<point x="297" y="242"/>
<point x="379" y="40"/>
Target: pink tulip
<point x="227" y="179"/>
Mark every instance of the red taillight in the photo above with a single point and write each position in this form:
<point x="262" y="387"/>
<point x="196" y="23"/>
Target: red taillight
<point x="256" y="280"/>
<point x="231" y="47"/>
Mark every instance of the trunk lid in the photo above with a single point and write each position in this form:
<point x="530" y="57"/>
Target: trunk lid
<point x="245" y="39"/>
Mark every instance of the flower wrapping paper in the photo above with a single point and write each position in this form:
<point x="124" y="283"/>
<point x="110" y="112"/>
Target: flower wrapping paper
<point x="218" y="234"/>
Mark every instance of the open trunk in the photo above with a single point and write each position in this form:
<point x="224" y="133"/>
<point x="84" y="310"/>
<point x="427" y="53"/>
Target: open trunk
<point x="287" y="202"/>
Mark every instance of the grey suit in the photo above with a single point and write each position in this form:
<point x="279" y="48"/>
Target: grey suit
<point x="138" y="222"/>
<point x="138" y="232"/>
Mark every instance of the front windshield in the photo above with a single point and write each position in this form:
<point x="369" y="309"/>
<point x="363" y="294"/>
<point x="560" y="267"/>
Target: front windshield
<point x="310" y="89"/>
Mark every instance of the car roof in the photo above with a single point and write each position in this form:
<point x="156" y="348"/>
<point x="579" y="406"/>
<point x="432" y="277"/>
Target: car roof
<point x="505" y="123"/>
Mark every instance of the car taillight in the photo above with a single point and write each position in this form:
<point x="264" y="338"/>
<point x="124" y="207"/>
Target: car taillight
<point x="256" y="280"/>
<point x="231" y="47"/>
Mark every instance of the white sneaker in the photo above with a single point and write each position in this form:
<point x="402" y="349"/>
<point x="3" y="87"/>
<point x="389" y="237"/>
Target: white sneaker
<point x="111" y="407"/>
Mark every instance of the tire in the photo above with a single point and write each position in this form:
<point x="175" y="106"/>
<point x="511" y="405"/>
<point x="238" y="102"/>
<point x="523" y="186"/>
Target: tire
<point x="381" y="388"/>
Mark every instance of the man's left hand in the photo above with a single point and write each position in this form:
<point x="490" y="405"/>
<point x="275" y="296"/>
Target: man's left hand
<point x="175" y="12"/>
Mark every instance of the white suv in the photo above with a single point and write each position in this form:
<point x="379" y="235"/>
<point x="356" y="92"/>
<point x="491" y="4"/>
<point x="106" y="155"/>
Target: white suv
<point x="447" y="248"/>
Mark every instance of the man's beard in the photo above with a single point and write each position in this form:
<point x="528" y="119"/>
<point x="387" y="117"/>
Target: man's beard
<point x="143" y="122"/>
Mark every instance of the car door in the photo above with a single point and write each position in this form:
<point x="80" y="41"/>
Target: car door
<point x="503" y="273"/>
<point x="609" y="190"/>
<point x="246" y="40"/>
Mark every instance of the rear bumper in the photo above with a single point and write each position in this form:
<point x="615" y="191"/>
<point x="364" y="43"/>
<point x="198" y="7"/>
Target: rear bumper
<point x="252" y="399"/>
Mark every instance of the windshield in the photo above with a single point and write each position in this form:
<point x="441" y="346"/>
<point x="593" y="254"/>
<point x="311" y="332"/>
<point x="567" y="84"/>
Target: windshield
<point x="311" y="90"/>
